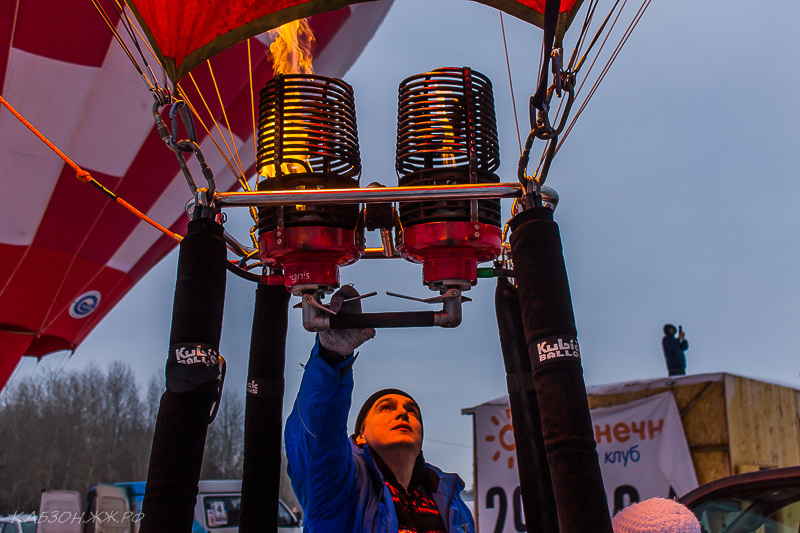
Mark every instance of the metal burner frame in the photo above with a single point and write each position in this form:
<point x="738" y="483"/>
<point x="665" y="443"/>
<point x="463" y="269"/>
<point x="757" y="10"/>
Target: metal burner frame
<point x="310" y="221"/>
<point x="316" y="316"/>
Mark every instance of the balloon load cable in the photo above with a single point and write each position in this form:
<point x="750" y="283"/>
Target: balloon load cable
<point x="162" y="94"/>
<point x="84" y="176"/>
<point x="510" y="83"/>
<point x="628" y="31"/>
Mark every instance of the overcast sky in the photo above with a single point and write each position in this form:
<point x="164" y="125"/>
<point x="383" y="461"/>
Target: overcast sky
<point x="678" y="204"/>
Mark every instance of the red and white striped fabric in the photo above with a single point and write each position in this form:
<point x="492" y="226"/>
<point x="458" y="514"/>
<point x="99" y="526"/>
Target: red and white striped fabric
<point x="67" y="253"/>
<point x="186" y="32"/>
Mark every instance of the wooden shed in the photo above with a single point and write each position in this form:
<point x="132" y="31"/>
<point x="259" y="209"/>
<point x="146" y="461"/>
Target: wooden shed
<point x="733" y="424"/>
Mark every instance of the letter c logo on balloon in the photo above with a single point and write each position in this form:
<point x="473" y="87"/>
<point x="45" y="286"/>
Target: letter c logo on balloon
<point x="84" y="305"/>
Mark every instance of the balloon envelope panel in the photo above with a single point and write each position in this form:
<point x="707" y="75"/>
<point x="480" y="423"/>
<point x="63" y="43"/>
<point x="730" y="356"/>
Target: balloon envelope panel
<point x="184" y="33"/>
<point x="68" y="254"/>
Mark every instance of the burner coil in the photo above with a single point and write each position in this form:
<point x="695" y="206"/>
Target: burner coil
<point x="446" y="135"/>
<point x="307" y="139"/>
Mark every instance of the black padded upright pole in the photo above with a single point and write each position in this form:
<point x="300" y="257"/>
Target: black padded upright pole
<point x="263" y="418"/>
<point x="180" y="434"/>
<point x="536" y="487"/>
<point x="551" y="336"/>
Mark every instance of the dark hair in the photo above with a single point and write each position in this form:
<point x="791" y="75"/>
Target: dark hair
<point x="668" y="327"/>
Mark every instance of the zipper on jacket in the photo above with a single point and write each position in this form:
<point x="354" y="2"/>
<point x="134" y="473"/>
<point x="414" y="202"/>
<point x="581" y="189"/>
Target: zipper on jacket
<point x="450" y="501"/>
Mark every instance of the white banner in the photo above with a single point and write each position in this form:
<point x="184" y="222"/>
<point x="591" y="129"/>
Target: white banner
<point x="641" y="447"/>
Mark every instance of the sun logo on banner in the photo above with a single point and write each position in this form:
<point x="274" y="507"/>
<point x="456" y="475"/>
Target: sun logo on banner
<point x="505" y="437"/>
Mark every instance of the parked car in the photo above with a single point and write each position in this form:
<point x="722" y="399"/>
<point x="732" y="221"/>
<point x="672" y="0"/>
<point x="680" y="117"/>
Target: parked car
<point x="216" y="511"/>
<point x="767" y="501"/>
<point x="18" y="523"/>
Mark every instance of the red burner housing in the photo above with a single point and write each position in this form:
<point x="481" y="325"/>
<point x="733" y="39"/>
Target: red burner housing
<point x="309" y="255"/>
<point x="307" y="139"/>
<point x="447" y="135"/>
<point x="450" y="250"/>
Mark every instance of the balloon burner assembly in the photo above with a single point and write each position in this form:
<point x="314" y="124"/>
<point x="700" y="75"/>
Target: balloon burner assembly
<point x="444" y="213"/>
<point x="447" y="135"/>
<point x="308" y="140"/>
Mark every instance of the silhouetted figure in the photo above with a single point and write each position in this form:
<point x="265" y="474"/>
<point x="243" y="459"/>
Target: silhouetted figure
<point x="673" y="350"/>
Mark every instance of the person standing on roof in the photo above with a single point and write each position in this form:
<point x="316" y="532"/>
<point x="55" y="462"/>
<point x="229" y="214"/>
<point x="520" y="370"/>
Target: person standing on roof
<point x="673" y="350"/>
<point x="376" y="480"/>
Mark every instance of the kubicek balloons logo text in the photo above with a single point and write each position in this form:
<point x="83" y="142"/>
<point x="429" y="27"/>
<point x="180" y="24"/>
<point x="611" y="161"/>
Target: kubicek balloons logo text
<point x="84" y="304"/>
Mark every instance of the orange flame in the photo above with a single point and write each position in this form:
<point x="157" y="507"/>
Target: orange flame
<point x="444" y="127"/>
<point x="291" y="48"/>
<point x="291" y="54"/>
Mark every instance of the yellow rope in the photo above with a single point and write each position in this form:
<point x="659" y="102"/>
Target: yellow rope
<point x="219" y="148"/>
<point x="210" y="114"/>
<point x="118" y="37"/>
<point x="253" y="107"/>
<point x="253" y="210"/>
<point x="235" y="153"/>
<point x="86" y="177"/>
<point x="146" y="43"/>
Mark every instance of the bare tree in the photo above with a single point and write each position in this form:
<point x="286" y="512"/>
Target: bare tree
<point x="73" y="430"/>
<point x="155" y="388"/>
<point x="286" y="493"/>
<point x="224" y="453"/>
<point x="70" y="430"/>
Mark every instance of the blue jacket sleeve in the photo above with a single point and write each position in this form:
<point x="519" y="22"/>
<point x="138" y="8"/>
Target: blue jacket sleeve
<point x="317" y="446"/>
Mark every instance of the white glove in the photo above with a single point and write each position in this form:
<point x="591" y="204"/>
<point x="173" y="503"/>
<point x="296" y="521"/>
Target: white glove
<point x="345" y="341"/>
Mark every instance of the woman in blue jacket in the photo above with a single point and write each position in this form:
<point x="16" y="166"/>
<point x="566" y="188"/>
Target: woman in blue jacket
<point x="375" y="481"/>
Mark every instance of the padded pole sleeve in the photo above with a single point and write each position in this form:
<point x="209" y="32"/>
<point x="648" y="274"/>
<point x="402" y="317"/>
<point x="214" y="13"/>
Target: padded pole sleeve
<point x="175" y="462"/>
<point x="536" y="487"/>
<point x="180" y="434"/>
<point x="263" y="419"/>
<point x="551" y="337"/>
<point x="200" y="288"/>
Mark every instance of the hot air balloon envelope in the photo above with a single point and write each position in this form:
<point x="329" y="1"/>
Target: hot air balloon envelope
<point x="184" y="33"/>
<point x="68" y="254"/>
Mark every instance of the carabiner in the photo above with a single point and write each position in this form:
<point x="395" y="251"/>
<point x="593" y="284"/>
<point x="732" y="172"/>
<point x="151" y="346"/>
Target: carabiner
<point x="176" y="108"/>
<point x="556" y="66"/>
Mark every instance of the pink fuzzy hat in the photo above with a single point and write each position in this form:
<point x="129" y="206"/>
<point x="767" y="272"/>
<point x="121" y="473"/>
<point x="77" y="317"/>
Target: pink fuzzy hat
<point x="656" y="515"/>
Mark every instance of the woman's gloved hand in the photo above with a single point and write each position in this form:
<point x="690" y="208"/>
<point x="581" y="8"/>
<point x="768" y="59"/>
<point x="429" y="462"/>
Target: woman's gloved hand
<point x="344" y="341"/>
